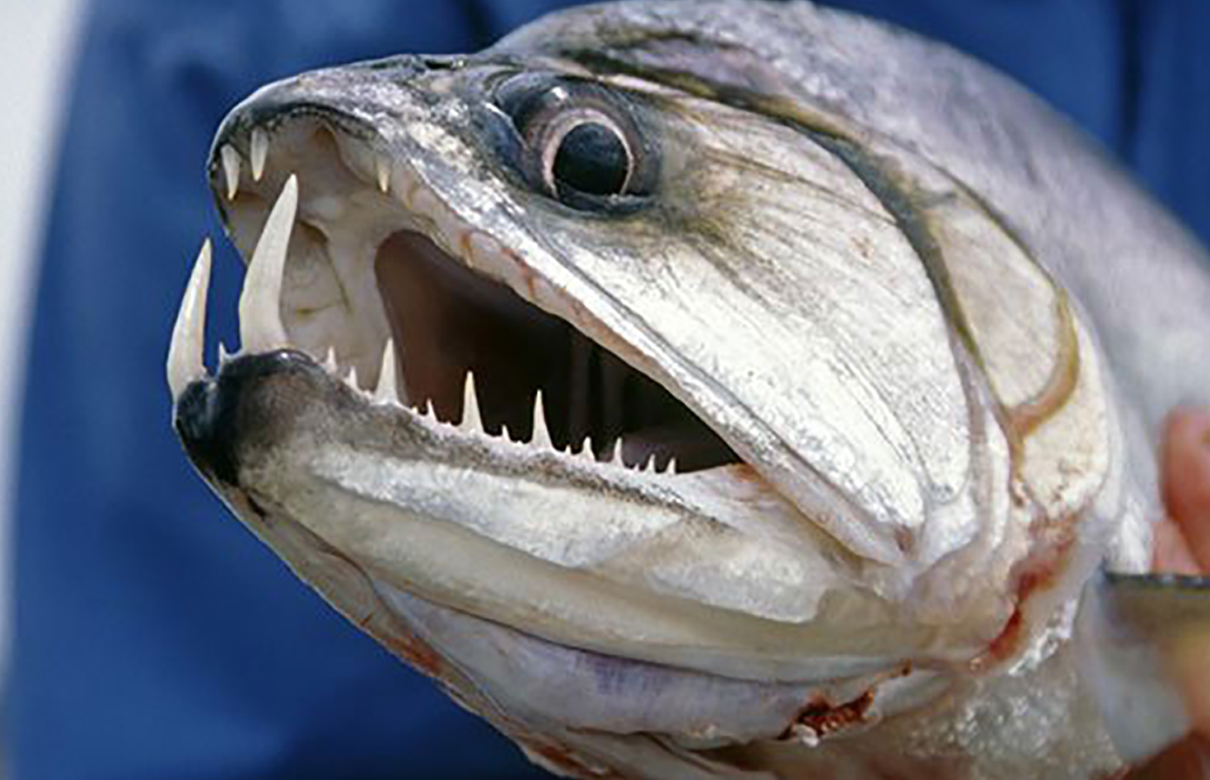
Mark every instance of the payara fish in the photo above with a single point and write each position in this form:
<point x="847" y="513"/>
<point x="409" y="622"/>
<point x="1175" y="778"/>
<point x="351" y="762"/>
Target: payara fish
<point x="714" y="390"/>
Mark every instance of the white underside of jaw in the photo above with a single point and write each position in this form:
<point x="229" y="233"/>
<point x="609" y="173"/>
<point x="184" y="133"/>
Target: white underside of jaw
<point x="530" y="678"/>
<point x="323" y="299"/>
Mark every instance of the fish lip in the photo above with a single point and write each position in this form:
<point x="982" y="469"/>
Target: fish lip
<point x="258" y="112"/>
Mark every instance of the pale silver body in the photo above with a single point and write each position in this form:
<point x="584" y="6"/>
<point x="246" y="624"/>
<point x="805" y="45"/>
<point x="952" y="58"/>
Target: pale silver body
<point x="914" y="302"/>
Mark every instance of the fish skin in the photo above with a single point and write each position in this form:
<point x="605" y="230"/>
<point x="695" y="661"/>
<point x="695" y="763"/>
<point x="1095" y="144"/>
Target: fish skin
<point x="1082" y="216"/>
<point x="889" y="105"/>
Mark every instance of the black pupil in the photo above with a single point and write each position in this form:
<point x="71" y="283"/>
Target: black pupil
<point x="592" y="159"/>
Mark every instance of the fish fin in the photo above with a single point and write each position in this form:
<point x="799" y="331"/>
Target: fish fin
<point x="1145" y="650"/>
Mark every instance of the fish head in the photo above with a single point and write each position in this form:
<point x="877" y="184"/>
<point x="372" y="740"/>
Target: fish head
<point x="631" y="396"/>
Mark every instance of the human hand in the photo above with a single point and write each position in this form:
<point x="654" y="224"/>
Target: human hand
<point x="1182" y="546"/>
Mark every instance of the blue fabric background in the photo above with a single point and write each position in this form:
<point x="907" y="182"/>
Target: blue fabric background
<point x="154" y="637"/>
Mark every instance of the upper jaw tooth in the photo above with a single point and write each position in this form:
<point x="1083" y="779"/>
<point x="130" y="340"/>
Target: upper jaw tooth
<point x="382" y="167"/>
<point x="231" y="166"/>
<point x="260" y="325"/>
<point x="258" y="152"/>
<point x="189" y="334"/>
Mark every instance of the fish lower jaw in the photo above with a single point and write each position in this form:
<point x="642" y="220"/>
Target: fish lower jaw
<point x="554" y="596"/>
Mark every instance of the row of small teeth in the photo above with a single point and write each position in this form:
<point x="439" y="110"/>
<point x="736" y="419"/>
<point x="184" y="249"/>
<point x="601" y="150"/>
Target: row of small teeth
<point x="261" y="330"/>
<point x="387" y="392"/>
<point x="481" y="251"/>
<point x="258" y="152"/>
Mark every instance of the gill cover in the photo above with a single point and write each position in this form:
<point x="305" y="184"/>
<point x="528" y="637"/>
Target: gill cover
<point x="857" y="324"/>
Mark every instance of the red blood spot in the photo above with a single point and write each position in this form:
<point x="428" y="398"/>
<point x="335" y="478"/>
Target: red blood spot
<point x="414" y="652"/>
<point x="823" y="718"/>
<point x="567" y="762"/>
<point x="1039" y="572"/>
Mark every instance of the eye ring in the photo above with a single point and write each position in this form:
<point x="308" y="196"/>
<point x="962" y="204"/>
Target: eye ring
<point x="578" y="142"/>
<point x="555" y="142"/>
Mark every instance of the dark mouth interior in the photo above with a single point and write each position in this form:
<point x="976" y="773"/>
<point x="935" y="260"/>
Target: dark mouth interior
<point x="446" y="320"/>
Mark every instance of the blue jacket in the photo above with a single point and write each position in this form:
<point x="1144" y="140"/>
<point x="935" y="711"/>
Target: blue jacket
<point x="154" y="637"/>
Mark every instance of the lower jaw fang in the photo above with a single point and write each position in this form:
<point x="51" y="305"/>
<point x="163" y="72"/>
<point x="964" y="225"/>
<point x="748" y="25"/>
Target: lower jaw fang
<point x="185" y="353"/>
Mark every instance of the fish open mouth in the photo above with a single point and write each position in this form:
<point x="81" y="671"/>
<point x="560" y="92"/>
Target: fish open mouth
<point x="381" y="276"/>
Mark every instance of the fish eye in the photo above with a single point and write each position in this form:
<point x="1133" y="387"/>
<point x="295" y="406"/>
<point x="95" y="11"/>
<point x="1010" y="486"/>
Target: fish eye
<point x="579" y="143"/>
<point x="589" y="154"/>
